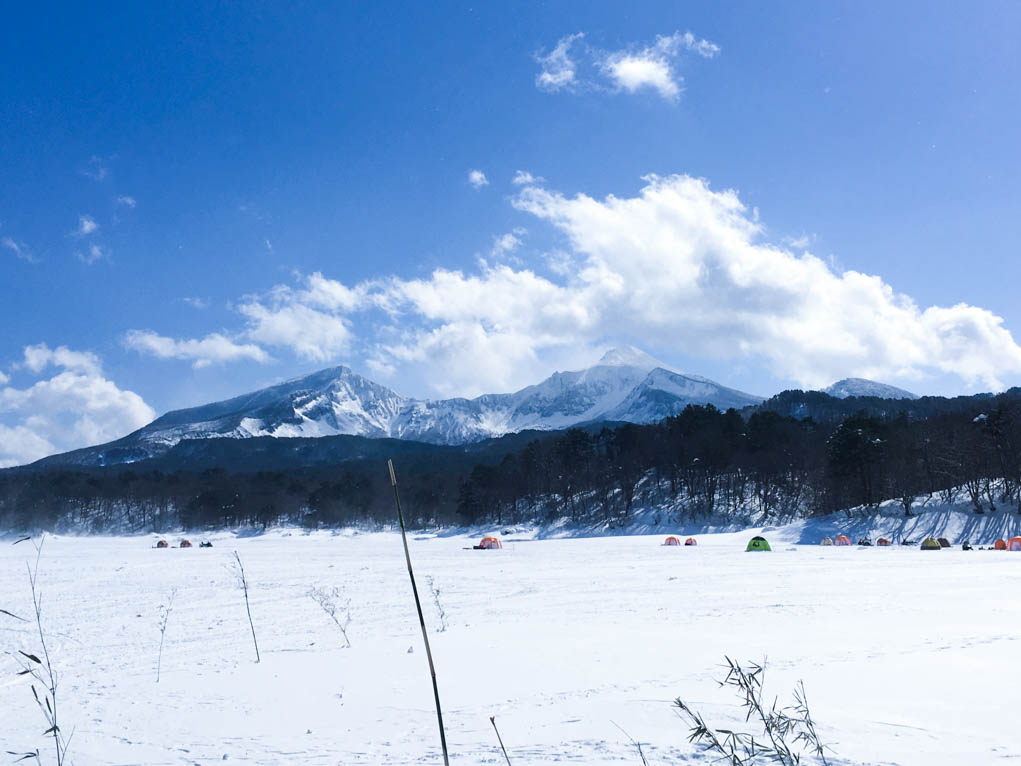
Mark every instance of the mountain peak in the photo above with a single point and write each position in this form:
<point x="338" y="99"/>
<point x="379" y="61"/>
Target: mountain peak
<point x="864" y="387"/>
<point x="629" y="356"/>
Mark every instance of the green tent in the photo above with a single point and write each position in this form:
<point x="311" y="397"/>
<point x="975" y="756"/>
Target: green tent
<point x="930" y="544"/>
<point x="759" y="544"/>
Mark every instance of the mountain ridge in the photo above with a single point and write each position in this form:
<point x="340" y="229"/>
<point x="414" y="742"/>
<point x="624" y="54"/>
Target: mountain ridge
<point x="848" y="387"/>
<point x="625" y="385"/>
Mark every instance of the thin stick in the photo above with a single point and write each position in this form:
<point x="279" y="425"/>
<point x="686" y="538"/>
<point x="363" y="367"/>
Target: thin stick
<point x="492" y="720"/>
<point x="634" y="742"/>
<point x="421" y="617"/>
<point x="243" y="581"/>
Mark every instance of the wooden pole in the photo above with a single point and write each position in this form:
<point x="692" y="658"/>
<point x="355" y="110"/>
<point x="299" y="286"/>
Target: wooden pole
<point x="421" y="617"/>
<point x="492" y="720"/>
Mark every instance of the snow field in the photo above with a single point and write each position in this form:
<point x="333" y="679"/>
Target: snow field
<point x="908" y="657"/>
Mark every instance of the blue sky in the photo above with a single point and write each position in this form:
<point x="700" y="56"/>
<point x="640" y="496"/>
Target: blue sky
<point x="199" y="201"/>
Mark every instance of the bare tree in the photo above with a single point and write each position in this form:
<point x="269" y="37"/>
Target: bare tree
<point x="778" y="725"/>
<point x="42" y="672"/>
<point x="439" y="607"/>
<point x="165" y="610"/>
<point x="327" y="600"/>
<point x="242" y="580"/>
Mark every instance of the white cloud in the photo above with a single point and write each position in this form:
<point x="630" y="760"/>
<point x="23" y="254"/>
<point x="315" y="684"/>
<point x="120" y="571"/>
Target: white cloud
<point x="477" y="179"/>
<point x="677" y="268"/>
<point x="39" y="357"/>
<point x="76" y="407"/>
<point x="558" y="69"/>
<point x="315" y="335"/>
<point x="652" y="67"/>
<point x="800" y="242"/>
<point x="684" y="262"/>
<point x="506" y="243"/>
<point x="215" y="348"/>
<point x="4" y="378"/>
<point x="631" y="72"/>
<point x="20" y="249"/>
<point x="524" y="178"/>
<point x="126" y="201"/>
<point x="92" y="254"/>
<point x="689" y="42"/>
<point x="196" y="303"/>
<point x="95" y="169"/>
<point x="86" y="225"/>
<point x="629" y="69"/>
<point x="310" y="320"/>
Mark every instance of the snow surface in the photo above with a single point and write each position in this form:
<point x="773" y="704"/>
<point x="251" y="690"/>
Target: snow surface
<point x="908" y="657"/>
<point x="864" y="387"/>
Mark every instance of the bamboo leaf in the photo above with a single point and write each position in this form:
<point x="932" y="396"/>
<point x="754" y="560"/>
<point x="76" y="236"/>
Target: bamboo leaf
<point x="31" y="657"/>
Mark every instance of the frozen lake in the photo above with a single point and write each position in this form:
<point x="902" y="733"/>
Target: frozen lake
<point x="908" y="657"/>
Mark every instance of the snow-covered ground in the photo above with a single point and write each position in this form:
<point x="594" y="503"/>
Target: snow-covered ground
<point x="908" y="657"/>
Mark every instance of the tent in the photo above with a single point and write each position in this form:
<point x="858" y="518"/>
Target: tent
<point x="162" y="544"/>
<point x="882" y="541"/>
<point x="1014" y="544"/>
<point x="758" y="544"/>
<point x="671" y="541"/>
<point x="827" y="541"/>
<point x="488" y="543"/>
<point x="1000" y="545"/>
<point x="865" y="541"/>
<point x="930" y="544"/>
<point x="943" y="542"/>
<point x="185" y="544"/>
<point x="842" y="540"/>
<point x="690" y="541"/>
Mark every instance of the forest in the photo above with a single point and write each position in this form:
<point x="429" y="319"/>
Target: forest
<point x="700" y="464"/>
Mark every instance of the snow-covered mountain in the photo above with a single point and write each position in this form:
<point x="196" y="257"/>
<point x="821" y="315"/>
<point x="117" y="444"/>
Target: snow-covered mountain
<point x="624" y="385"/>
<point x="863" y="387"/>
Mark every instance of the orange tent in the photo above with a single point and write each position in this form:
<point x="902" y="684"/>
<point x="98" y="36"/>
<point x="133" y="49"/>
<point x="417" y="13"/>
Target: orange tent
<point x="1014" y="544"/>
<point x="185" y="543"/>
<point x="1000" y="545"/>
<point x="162" y="544"/>
<point x="690" y="541"/>
<point x="671" y="541"/>
<point x="842" y="540"/>
<point x="488" y="543"/>
<point x="882" y="541"/>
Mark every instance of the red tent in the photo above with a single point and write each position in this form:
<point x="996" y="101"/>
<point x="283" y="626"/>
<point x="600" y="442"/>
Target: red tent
<point x="690" y="541"/>
<point x="671" y="541"/>
<point x="882" y="541"/>
<point x="488" y="543"/>
<point x="842" y="540"/>
<point x="1014" y="544"/>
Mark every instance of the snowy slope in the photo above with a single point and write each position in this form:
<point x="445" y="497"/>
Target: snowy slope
<point x="863" y="387"/>
<point x="907" y="656"/>
<point x="625" y="385"/>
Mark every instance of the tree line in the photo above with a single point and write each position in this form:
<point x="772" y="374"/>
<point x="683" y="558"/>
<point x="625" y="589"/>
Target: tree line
<point x="697" y="465"/>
